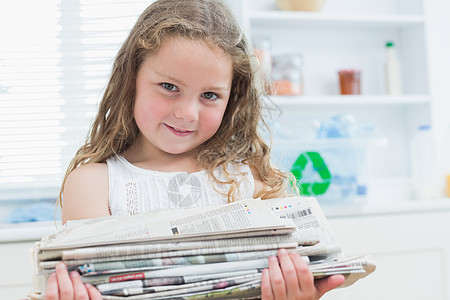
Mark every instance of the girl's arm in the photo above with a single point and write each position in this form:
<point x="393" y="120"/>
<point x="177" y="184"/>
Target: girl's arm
<point x="86" y="193"/>
<point x="85" y="196"/>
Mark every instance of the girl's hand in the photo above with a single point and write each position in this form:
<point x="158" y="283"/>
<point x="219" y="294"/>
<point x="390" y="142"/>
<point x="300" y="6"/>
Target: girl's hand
<point x="62" y="286"/>
<point x="289" y="277"/>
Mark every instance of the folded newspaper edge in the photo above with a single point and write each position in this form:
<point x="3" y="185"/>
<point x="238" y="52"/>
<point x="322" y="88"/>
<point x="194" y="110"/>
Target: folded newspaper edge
<point x="295" y="223"/>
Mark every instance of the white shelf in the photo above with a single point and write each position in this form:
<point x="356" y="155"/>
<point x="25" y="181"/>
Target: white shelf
<point x="334" y="143"/>
<point x="283" y="18"/>
<point x="351" y="100"/>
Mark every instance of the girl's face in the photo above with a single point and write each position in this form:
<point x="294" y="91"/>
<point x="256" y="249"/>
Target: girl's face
<point x="182" y="92"/>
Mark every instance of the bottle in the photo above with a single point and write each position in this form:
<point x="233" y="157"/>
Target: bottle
<point x="262" y="49"/>
<point x="392" y="69"/>
<point x="447" y="161"/>
<point x="424" y="166"/>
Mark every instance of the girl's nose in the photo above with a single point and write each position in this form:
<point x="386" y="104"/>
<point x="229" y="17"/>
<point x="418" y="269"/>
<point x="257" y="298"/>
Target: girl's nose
<point x="187" y="109"/>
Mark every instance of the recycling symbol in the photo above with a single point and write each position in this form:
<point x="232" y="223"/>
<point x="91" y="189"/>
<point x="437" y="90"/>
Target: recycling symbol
<point x="319" y="166"/>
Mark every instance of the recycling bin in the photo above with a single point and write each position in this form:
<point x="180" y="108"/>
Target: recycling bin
<point x="335" y="171"/>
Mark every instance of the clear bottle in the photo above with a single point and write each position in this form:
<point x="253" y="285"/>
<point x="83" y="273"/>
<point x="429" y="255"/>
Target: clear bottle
<point x="263" y="51"/>
<point x="392" y="69"/>
<point x="424" y="166"/>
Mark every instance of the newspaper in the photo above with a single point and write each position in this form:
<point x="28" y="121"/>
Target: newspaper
<point x="175" y="281"/>
<point x="203" y="269"/>
<point x="305" y="237"/>
<point x="118" y="266"/>
<point x="202" y="251"/>
<point x="198" y="286"/>
<point x="242" y="218"/>
<point x="250" y="290"/>
<point x="250" y="242"/>
<point x="210" y="252"/>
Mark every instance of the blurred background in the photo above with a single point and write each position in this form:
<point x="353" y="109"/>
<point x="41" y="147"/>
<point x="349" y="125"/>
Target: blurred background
<point x="357" y="104"/>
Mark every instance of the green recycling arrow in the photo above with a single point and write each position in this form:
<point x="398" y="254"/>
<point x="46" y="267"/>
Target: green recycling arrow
<point x="312" y="188"/>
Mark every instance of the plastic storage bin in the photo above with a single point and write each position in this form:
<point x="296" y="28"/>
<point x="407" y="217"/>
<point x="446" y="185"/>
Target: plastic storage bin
<point x="335" y="171"/>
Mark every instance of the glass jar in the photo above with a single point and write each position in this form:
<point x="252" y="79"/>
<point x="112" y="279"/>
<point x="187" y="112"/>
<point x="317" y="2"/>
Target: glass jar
<point x="287" y="74"/>
<point x="350" y="82"/>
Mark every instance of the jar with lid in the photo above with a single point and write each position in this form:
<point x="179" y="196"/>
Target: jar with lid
<point x="287" y="74"/>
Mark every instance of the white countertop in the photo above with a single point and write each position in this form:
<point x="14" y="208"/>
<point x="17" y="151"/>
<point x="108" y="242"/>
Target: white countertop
<point x="385" y="208"/>
<point x="23" y="232"/>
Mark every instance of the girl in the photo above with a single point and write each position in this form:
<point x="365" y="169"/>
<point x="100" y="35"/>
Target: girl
<point x="177" y="126"/>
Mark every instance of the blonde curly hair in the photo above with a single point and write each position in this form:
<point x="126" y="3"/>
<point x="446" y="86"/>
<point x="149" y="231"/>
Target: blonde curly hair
<point x="236" y="141"/>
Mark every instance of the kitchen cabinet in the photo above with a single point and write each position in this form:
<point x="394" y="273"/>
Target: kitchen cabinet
<point x="410" y="249"/>
<point x="16" y="242"/>
<point x="16" y="279"/>
<point x="352" y="34"/>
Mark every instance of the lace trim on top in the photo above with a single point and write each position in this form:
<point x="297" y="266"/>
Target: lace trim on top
<point x="132" y="198"/>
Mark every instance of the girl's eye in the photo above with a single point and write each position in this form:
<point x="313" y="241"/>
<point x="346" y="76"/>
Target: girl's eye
<point x="169" y="86"/>
<point x="209" y="96"/>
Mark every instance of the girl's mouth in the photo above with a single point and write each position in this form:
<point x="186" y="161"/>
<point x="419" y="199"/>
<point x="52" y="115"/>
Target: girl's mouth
<point x="178" y="132"/>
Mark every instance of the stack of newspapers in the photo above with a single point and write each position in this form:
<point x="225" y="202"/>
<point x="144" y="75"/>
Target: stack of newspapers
<point x="196" y="253"/>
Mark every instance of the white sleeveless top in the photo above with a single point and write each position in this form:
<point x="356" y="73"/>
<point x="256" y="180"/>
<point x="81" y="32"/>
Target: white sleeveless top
<point x="134" y="190"/>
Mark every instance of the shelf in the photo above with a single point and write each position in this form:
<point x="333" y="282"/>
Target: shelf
<point x="333" y="143"/>
<point x="283" y="18"/>
<point x="350" y="100"/>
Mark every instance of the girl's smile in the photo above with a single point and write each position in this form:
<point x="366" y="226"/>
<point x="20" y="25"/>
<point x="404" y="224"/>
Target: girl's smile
<point x="178" y="132"/>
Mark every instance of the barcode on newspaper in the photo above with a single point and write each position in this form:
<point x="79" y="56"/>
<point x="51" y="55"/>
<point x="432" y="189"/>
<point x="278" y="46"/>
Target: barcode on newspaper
<point x="298" y="214"/>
